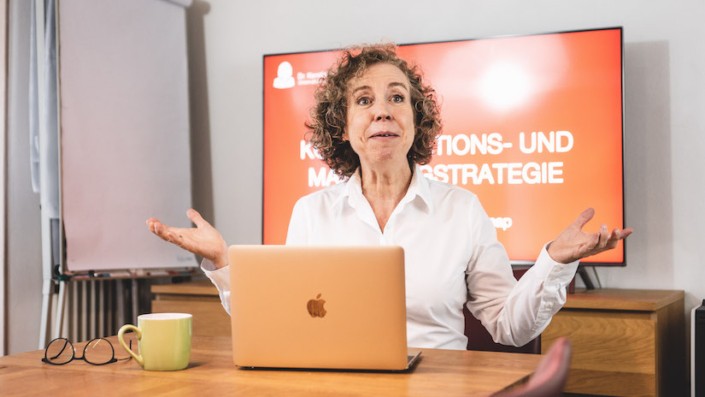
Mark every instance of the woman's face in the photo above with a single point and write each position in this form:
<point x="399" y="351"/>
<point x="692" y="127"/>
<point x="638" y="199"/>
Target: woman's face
<point x="380" y="118"/>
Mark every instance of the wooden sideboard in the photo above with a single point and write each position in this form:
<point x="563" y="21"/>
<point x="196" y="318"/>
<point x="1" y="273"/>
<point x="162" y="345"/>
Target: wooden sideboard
<point x="625" y="342"/>
<point x="200" y="298"/>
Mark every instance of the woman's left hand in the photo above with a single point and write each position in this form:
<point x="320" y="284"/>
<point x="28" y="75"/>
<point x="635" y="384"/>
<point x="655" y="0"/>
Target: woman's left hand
<point x="574" y="244"/>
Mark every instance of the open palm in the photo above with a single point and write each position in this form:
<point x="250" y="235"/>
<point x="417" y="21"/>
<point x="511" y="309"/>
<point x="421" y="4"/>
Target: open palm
<point x="203" y="240"/>
<point x="574" y="244"/>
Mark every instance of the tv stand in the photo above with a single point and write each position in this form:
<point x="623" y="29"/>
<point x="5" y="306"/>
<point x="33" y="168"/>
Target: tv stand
<point x="585" y="276"/>
<point x="625" y="342"/>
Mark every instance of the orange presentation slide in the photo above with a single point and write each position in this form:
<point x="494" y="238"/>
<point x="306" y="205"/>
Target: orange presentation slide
<point x="531" y="124"/>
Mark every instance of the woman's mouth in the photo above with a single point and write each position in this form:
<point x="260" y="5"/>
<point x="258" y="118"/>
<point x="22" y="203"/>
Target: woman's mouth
<point x="384" y="135"/>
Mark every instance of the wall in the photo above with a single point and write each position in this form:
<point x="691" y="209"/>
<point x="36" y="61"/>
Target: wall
<point x="665" y="117"/>
<point x="665" y="104"/>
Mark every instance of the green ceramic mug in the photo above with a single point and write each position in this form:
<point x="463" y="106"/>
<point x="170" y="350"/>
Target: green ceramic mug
<point x="164" y="340"/>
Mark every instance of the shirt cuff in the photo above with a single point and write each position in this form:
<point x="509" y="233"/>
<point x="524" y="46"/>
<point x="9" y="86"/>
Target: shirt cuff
<point x="219" y="277"/>
<point x="556" y="276"/>
<point x="548" y="269"/>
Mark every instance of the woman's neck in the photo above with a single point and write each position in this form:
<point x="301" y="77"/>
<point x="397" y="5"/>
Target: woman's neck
<point x="384" y="189"/>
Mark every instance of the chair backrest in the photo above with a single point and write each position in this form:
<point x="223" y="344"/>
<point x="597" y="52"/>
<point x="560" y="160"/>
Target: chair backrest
<point x="550" y="376"/>
<point x="480" y="339"/>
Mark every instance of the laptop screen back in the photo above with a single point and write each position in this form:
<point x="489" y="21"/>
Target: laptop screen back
<point x="318" y="307"/>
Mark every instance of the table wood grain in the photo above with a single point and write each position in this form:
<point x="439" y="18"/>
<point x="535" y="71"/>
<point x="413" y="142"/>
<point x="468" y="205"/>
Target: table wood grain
<point x="212" y="372"/>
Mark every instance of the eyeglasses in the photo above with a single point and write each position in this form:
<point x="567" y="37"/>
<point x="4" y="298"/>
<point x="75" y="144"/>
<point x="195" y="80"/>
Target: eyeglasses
<point x="98" y="351"/>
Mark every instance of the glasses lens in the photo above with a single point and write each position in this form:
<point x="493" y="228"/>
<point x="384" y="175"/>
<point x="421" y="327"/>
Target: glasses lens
<point x="59" y="351"/>
<point x="98" y="351"/>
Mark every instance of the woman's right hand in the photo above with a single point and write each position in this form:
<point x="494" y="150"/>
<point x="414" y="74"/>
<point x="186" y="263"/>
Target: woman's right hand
<point x="203" y="240"/>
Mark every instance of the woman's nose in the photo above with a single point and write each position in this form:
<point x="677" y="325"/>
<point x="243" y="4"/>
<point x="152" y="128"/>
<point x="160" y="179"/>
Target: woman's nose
<point x="381" y="112"/>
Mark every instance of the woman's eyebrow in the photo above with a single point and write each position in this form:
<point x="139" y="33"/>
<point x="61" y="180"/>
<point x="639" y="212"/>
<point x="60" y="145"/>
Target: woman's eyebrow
<point x="360" y="88"/>
<point x="398" y="84"/>
<point x="392" y="84"/>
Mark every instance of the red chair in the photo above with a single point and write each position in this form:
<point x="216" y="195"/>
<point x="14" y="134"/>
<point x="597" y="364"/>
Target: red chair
<point x="480" y="339"/>
<point x="550" y="376"/>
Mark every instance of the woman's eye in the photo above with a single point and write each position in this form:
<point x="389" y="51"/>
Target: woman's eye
<point x="363" y="101"/>
<point x="397" y="98"/>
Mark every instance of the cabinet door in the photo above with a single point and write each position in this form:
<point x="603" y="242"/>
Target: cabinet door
<point x="209" y="317"/>
<point x="614" y="353"/>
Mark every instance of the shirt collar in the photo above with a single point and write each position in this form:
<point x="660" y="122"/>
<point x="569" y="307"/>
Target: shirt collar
<point x="419" y="187"/>
<point x="352" y="188"/>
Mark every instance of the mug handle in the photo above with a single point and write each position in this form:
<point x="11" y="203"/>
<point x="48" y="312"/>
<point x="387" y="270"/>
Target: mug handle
<point x="120" y="335"/>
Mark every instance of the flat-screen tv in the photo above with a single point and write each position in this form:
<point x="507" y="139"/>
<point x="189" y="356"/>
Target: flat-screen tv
<point x="532" y="124"/>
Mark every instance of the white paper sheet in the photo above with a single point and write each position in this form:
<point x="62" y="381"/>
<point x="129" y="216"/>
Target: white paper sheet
<point x="124" y="132"/>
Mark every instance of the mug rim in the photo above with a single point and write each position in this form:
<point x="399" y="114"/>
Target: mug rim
<point x="164" y="316"/>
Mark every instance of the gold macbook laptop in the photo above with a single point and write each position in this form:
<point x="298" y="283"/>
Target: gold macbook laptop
<point x="319" y="307"/>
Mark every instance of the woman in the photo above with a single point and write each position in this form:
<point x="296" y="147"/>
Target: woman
<point x="374" y="123"/>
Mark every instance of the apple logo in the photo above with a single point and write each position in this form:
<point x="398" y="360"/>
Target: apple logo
<point x="315" y="307"/>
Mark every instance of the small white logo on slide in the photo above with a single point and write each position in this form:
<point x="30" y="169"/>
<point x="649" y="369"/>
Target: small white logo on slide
<point x="285" y="76"/>
<point x="503" y="223"/>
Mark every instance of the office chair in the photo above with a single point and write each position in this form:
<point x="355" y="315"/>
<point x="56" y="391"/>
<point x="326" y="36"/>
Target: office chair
<point x="480" y="339"/>
<point x="550" y="376"/>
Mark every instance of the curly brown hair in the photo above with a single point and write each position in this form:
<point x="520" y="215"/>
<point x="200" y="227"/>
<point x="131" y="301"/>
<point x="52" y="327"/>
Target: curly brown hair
<point x="328" y="117"/>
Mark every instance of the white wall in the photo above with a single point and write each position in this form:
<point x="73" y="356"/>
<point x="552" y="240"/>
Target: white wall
<point x="665" y="104"/>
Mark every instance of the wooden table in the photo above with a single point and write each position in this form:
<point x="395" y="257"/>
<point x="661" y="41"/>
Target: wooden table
<point x="212" y="373"/>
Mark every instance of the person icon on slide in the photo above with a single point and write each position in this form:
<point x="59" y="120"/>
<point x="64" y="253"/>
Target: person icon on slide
<point x="285" y="78"/>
